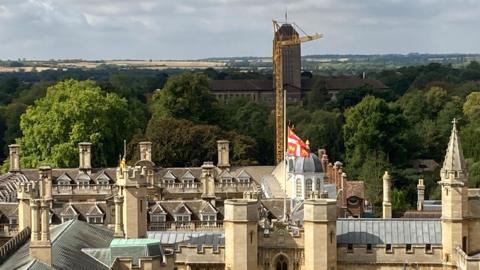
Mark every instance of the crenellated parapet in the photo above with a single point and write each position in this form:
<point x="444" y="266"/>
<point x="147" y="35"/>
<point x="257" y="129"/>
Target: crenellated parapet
<point x="132" y="176"/>
<point x="28" y="191"/>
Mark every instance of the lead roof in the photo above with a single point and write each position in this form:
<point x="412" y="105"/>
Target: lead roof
<point x="389" y="231"/>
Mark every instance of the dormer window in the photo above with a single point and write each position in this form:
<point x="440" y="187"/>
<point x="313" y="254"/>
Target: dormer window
<point x="244" y="178"/>
<point x="95" y="215"/>
<point x="208" y="214"/>
<point x="157" y="214"/>
<point x="188" y="180"/>
<point x="226" y="178"/>
<point x="182" y="218"/>
<point x="209" y="219"/>
<point x="83" y="179"/>
<point x="95" y="220"/>
<point x="102" y="179"/>
<point x="169" y="178"/>
<point x="64" y="180"/>
<point x="182" y="214"/>
<point x="158" y="218"/>
<point x="69" y="213"/>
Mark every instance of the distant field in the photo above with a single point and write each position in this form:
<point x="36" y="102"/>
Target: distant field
<point x="29" y="66"/>
<point x="323" y="64"/>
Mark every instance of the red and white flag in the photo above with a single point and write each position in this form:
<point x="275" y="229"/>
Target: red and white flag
<point x="297" y="147"/>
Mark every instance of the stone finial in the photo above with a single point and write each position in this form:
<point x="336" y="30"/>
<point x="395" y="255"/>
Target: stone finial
<point x="420" y="195"/>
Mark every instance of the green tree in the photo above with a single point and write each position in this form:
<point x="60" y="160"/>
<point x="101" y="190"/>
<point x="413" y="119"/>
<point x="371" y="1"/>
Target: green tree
<point x="252" y="119"/>
<point x="187" y="96"/>
<point x="471" y="107"/>
<point x="372" y="126"/>
<point x="436" y="98"/>
<point x="371" y="171"/>
<point x="322" y="128"/>
<point x="318" y="96"/>
<point x="179" y="142"/>
<point x="71" y="112"/>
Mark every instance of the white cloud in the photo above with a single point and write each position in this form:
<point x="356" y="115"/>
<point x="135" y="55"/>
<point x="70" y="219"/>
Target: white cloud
<point x="152" y="29"/>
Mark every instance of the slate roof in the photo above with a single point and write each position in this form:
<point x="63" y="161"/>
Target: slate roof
<point x="185" y="238"/>
<point x="344" y="83"/>
<point x="67" y="241"/>
<point x="83" y="209"/>
<point x="242" y="85"/>
<point x="193" y="207"/>
<point x="275" y="207"/>
<point x="389" y="231"/>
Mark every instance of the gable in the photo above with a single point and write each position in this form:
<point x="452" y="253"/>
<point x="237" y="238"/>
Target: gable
<point x="95" y="211"/>
<point x="157" y="209"/>
<point x="169" y="176"/>
<point x="103" y="177"/>
<point x="207" y="208"/>
<point x="244" y="175"/>
<point x="64" y="178"/>
<point x="225" y="174"/>
<point x="83" y="177"/>
<point x="188" y="176"/>
<point x="182" y="209"/>
<point x="69" y="211"/>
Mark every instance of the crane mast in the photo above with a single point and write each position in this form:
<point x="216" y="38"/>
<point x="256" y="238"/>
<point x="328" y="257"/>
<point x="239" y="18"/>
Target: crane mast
<point x="278" y="45"/>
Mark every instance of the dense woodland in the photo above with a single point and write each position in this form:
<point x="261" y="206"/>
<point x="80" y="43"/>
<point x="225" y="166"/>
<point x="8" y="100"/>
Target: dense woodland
<point x="369" y="131"/>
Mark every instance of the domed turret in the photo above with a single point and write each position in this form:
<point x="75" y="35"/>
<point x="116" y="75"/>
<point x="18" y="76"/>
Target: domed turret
<point x="311" y="164"/>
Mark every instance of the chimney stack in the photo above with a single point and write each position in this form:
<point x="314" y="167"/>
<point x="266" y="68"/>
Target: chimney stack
<point x="85" y="156"/>
<point x="420" y="194"/>
<point x="145" y="151"/>
<point x="208" y="182"/>
<point x="14" y="152"/>
<point x="40" y="244"/>
<point x="223" y="147"/>
<point x="45" y="173"/>
<point x="387" y="205"/>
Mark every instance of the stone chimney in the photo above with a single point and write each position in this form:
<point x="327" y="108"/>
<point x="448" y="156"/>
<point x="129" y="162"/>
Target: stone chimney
<point x="85" y="156"/>
<point x="387" y="205"/>
<point x="145" y="151"/>
<point x="223" y="147"/>
<point x="322" y="154"/>
<point x="208" y="181"/>
<point x="14" y="150"/>
<point x="420" y="194"/>
<point x="40" y="245"/>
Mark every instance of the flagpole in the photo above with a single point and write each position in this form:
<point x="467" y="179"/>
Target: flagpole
<point x="285" y="162"/>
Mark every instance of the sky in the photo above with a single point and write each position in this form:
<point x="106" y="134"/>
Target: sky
<point x="196" y="29"/>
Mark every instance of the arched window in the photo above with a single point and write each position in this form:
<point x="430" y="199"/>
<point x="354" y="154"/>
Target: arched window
<point x="318" y="184"/>
<point x="299" y="188"/>
<point x="308" y="186"/>
<point x="281" y="263"/>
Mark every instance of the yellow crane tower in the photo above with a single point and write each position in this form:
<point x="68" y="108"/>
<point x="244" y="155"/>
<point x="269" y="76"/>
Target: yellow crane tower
<point x="278" y="44"/>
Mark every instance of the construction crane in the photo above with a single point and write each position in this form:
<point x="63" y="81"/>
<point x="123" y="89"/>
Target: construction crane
<point x="278" y="44"/>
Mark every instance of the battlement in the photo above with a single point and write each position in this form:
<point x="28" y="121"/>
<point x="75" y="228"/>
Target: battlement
<point x="132" y="176"/>
<point x="27" y="191"/>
